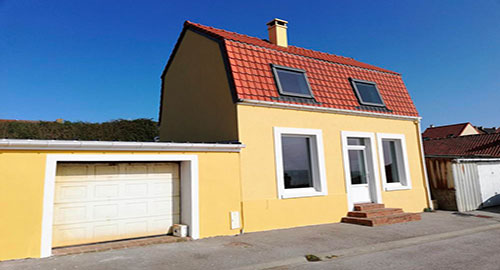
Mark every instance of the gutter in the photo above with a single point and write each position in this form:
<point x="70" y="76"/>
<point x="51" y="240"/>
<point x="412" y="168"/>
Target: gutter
<point x="300" y="107"/>
<point x="460" y="160"/>
<point x="16" y="144"/>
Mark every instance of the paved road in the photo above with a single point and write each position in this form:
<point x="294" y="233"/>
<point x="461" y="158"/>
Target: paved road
<point x="442" y="240"/>
<point x="479" y="251"/>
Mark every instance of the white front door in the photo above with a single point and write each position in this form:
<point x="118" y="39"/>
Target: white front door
<point x="360" y="184"/>
<point x="359" y="170"/>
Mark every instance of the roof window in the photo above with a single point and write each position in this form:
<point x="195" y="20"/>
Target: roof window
<point x="367" y="93"/>
<point x="291" y="81"/>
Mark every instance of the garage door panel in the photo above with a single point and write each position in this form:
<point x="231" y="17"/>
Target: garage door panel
<point x="70" y="214"/>
<point x="74" y="172"/>
<point x="105" y="212"/>
<point x="71" y="192"/>
<point x="162" y="207"/>
<point x="70" y="235"/>
<point x="159" y="225"/>
<point x="165" y="187"/>
<point x="104" y="171"/>
<point x="134" y="189"/>
<point x="121" y="200"/>
<point x="105" y="191"/>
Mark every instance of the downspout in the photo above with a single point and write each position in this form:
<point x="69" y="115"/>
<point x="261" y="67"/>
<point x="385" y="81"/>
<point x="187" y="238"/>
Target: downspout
<point x="242" y="215"/>
<point x="424" y="167"/>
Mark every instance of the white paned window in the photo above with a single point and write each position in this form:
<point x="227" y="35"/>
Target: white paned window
<point x="300" y="164"/>
<point x="394" y="161"/>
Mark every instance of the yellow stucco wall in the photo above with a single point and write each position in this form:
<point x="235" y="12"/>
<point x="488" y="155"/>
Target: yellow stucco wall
<point x="261" y="207"/>
<point x="197" y="103"/>
<point x="22" y="176"/>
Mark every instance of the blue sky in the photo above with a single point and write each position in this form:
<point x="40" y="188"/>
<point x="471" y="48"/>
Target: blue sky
<point x="102" y="60"/>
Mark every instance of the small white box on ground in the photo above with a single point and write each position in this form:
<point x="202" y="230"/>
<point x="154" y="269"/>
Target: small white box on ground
<point x="180" y="230"/>
<point x="235" y="220"/>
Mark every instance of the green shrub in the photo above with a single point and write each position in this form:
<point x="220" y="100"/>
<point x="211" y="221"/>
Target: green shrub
<point x="138" y="130"/>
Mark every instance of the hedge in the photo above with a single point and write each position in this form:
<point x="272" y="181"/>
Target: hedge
<point x="138" y="130"/>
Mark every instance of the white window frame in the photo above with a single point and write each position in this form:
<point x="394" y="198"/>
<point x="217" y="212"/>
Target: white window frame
<point x="405" y="181"/>
<point x="375" y="183"/>
<point x="317" y="163"/>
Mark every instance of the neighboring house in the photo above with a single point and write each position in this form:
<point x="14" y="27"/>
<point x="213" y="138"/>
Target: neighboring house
<point x="485" y="130"/>
<point x="448" y="131"/>
<point x="464" y="171"/>
<point x="322" y="132"/>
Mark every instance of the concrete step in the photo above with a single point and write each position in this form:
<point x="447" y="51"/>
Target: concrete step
<point x="377" y="212"/>
<point x="367" y="206"/>
<point x="383" y="220"/>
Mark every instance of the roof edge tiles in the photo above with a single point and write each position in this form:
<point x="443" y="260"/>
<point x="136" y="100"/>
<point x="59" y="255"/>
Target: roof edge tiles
<point x="254" y="41"/>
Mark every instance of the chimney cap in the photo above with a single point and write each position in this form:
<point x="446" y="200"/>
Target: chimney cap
<point x="277" y="21"/>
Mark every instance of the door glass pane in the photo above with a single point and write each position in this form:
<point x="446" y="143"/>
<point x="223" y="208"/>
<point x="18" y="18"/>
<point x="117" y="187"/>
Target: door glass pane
<point x="296" y="162"/>
<point x="355" y="141"/>
<point x="357" y="166"/>
<point x="390" y="161"/>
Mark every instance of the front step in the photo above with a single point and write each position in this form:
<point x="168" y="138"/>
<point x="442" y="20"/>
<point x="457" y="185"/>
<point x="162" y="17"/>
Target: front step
<point x="372" y="214"/>
<point x="368" y="206"/>
<point x="379" y="212"/>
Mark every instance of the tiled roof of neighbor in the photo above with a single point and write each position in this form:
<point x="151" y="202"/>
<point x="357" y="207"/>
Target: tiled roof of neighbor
<point x="444" y="131"/>
<point x="328" y="74"/>
<point x="21" y="121"/>
<point x="481" y="145"/>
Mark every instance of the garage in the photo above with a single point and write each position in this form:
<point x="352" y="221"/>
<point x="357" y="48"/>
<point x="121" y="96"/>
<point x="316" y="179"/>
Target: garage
<point x="105" y="201"/>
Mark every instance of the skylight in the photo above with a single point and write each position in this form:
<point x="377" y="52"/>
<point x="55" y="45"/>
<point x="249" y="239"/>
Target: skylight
<point x="292" y="81"/>
<point x="367" y="93"/>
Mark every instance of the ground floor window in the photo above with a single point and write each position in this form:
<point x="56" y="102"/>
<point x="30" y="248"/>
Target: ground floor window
<point x="300" y="166"/>
<point x="394" y="161"/>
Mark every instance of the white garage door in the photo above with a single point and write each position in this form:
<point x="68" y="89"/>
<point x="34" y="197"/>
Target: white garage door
<point x="489" y="178"/>
<point x="97" y="202"/>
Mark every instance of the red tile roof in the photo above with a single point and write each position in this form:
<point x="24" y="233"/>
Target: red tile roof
<point x="250" y="59"/>
<point x="481" y="145"/>
<point x="444" y="131"/>
<point x="21" y="121"/>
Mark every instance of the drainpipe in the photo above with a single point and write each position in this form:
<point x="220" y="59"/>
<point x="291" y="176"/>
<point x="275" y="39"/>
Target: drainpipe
<point x="424" y="167"/>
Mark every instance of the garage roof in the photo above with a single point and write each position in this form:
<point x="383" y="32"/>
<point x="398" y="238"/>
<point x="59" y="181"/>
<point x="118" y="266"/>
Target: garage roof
<point x="481" y="145"/>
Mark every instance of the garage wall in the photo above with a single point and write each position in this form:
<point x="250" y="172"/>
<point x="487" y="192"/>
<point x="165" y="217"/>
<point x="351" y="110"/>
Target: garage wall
<point x="22" y="175"/>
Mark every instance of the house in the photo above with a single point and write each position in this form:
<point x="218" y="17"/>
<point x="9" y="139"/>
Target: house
<point x="255" y="135"/>
<point x="486" y="130"/>
<point x="322" y="132"/>
<point x="448" y="131"/>
<point x="464" y="171"/>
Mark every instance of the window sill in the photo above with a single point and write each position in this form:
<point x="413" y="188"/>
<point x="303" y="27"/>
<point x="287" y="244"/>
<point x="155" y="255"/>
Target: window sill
<point x="395" y="187"/>
<point x="301" y="193"/>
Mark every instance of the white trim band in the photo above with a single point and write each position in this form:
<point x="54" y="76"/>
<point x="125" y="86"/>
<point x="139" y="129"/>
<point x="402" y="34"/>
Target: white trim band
<point x="282" y="105"/>
<point x="9" y="144"/>
<point x="459" y="160"/>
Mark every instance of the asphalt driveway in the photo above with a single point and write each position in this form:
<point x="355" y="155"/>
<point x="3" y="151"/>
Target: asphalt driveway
<point x="441" y="240"/>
